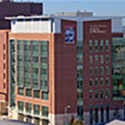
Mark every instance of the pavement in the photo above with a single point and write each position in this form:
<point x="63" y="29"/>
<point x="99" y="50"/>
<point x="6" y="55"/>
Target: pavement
<point x="13" y="122"/>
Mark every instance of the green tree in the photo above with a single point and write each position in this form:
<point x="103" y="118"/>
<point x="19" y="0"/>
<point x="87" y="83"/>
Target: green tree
<point x="79" y="122"/>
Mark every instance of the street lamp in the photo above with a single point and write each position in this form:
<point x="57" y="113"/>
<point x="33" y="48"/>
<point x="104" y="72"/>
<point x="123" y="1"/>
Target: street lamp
<point x="66" y="117"/>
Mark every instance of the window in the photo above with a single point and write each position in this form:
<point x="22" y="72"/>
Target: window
<point x="36" y="94"/>
<point x="102" y="59"/>
<point x="102" y="70"/>
<point x="96" y="46"/>
<point x="20" y="106"/>
<point x="107" y="81"/>
<point x="96" y="70"/>
<point x="4" y="66"/>
<point x="45" y="111"/>
<point x="4" y="75"/>
<point x="4" y="85"/>
<point x="107" y="58"/>
<point x="36" y="109"/>
<point x="96" y="58"/>
<point x="4" y="56"/>
<point x="28" y="92"/>
<point x="90" y="82"/>
<point x="20" y="91"/>
<point x="102" y="113"/>
<point x="91" y="114"/>
<point x="90" y="70"/>
<point x="90" y="45"/>
<point x="107" y="45"/>
<point x="4" y="47"/>
<point x="45" y="95"/>
<point x="96" y="81"/>
<point x="96" y="94"/>
<point x="96" y="114"/>
<point x="102" y="81"/>
<point x="90" y="59"/>
<point x="107" y="93"/>
<point x="107" y="112"/>
<point x="107" y="70"/>
<point x="101" y="46"/>
<point x="102" y="94"/>
<point x="90" y="94"/>
<point x="28" y="107"/>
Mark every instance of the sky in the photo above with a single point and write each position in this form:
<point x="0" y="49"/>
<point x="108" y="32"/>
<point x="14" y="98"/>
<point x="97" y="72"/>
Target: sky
<point x="98" y="7"/>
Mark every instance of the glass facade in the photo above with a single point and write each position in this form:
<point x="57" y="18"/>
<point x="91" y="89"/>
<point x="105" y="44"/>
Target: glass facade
<point x="118" y="68"/>
<point x="80" y="77"/>
<point x="12" y="73"/>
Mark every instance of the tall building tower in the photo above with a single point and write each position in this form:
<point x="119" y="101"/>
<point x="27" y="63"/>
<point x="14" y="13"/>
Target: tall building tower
<point x="66" y="66"/>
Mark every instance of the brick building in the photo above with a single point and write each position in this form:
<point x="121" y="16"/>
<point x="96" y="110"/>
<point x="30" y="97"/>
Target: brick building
<point x="8" y="8"/>
<point x="65" y="64"/>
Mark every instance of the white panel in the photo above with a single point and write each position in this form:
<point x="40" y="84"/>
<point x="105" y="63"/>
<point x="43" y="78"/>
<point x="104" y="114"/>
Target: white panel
<point x="79" y="31"/>
<point x="57" y="26"/>
<point x="116" y="25"/>
<point x="31" y="27"/>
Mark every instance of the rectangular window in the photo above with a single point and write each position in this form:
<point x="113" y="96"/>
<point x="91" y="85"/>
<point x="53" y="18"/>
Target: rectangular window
<point x="90" y="59"/>
<point x="91" y="114"/>
<point x="36" y="109"/>
<point x="20" y="106"/>
<point x="107" y="81"/>
<point x="96" y="70"/>
<point x="28" y="92"/>
<point x="96" y="94"/>
<point x="90" y="94"/>
<point x="107" y="70"/>
<point x="101" y="46"/>
<point x="45" y="95"/>
<point x="107" y="45"/>
<point x="102" y="82"/>
<point x="90" y="71"/>
<point x="96" y="58"/>
<point x="36" y="94"/>
<point x="90" y="45"/>
<point x="20" y="91"/>
<point x="102" y="59"/>
<point x="45" y="111"/>
<point x="107" y="58"/>
<point x="28" y="107"/>
<point x="102" y="94"/>
<point x="44" y="65"/>
<point x="96" y="81"/>
<point x="96" y="45"/>
<point x="102" y="70"/>
<point x="90" y="82"/>
<point x="107" y="93"/>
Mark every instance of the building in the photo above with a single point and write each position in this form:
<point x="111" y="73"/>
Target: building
<point x="17" y="8"/>
<point x="26" y="8"/>
<point x="65" y="66"/>
<point x="78" y="13"/>
<point x="4" y="71"/>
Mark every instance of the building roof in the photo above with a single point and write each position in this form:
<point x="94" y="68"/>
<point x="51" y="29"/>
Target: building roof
<point x="13" y="122"/>
<point x="116" y="122"/>
<point x="73" y="18"/>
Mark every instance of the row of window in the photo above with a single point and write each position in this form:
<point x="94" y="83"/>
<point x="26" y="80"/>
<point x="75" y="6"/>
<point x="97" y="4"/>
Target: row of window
<point x="96" y="94"/>
<point x="96" y="58"/>
<point x="94" y="113"/>
<point x="98" y="44"/>
<point x="96" y="72"/>
<point x="36" y="108"/>
<point x="36" y="93"/>
<point x="96" y="81"/>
